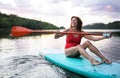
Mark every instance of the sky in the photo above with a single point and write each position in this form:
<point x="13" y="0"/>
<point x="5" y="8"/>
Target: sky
<point x="59" y="12"/>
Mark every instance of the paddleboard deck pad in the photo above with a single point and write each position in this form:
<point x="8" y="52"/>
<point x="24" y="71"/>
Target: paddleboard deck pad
<point x="81" y="65"/>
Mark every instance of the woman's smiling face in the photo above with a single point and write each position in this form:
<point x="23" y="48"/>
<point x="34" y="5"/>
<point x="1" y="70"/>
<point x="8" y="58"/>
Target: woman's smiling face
<point x="74" y="22"/>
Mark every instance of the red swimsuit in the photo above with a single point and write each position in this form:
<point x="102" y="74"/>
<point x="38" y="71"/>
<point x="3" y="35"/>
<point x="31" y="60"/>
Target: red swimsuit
<point x="72" y="40"/>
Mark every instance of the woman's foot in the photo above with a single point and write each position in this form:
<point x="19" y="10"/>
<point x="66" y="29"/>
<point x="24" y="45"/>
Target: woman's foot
<point x="95" y="62"/>
<point x="106" y="61"/>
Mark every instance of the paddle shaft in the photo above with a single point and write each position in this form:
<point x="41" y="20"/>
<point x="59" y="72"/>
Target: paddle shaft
<point x="22" y="31"/>
<point x="52" y="32"/>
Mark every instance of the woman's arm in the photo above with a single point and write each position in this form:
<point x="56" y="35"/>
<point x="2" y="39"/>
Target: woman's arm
<point x="58" y="34"/>
<point x="97" y="38"/>
<point x="93" y="38"/>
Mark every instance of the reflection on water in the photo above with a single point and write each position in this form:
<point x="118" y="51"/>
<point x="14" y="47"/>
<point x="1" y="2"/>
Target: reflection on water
<point x="19" y="57"/>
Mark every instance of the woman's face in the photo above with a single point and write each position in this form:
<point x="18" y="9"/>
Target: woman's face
<point x="74" y="22"/>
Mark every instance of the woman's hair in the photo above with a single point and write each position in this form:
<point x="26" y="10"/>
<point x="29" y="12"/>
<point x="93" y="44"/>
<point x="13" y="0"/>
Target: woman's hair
<point x="79" y="24"/>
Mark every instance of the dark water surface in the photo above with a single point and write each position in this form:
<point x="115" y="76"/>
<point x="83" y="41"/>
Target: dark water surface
<point x="19" y="57"/>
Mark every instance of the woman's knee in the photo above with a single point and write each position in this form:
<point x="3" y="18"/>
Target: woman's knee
<point x="88" y="43"/>
<point x="80" y="47"/>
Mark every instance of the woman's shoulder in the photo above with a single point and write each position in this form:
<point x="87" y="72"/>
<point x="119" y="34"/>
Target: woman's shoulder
<point x="82" y="32"/>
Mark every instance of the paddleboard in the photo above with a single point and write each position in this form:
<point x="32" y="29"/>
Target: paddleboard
<point x="81" y="65"/>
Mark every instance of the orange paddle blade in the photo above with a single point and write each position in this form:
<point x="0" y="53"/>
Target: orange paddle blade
<point x="18" y="31"/>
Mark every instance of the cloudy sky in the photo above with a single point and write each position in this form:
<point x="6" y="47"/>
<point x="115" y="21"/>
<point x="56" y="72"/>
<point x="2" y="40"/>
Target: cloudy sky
<point x="59" y="12"/>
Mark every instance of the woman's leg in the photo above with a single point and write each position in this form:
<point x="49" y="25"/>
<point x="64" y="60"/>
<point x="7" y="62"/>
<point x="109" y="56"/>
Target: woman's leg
<point x="93" y="49"/>
<point x="82" y="52"/>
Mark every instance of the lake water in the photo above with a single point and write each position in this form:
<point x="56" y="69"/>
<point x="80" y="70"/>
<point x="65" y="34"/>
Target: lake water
<point x="19" y="57"/>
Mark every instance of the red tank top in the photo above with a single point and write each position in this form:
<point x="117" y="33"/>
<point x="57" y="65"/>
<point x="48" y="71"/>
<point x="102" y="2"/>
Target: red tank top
<point x="71" y="40"/>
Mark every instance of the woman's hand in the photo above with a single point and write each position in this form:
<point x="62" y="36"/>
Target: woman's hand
<point x="60" y="34"/>
<point x="57" y="34"/>
<point x="107" y="35"/>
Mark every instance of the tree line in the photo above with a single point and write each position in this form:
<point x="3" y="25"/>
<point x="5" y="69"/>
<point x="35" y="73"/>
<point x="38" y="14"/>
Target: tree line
<point x="8" y="21"/>
<point x="112" y="25"/>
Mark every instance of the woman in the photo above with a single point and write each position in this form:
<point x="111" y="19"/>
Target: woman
<point x="73" y="48"/>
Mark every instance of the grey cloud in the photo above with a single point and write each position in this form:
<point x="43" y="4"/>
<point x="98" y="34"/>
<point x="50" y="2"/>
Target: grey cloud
<point x="116" y="7"/>
<point x="55" y="1"/>
<point x="22" y="3"/>
<point x="21" y="6"/>
<point x="18" y="4"/>
<point x="73" y="2"/>
<point x="109" y="8"/>
<point x="6" y="6"/>
<point x="101" y="5"/>
<point x="77" y="2"/>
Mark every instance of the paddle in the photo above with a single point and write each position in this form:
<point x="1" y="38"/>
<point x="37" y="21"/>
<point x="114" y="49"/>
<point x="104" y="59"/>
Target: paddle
<point x="18" y="31"/>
